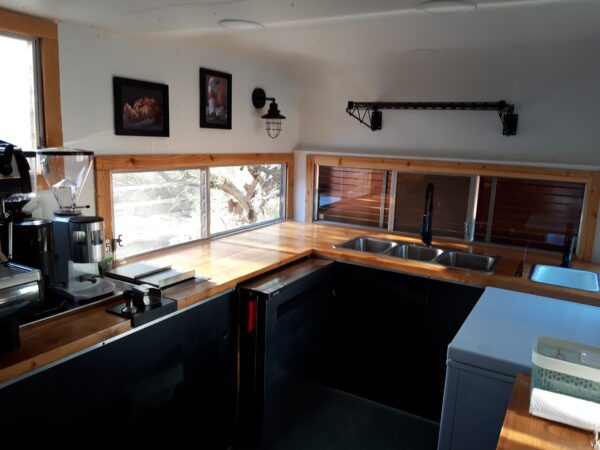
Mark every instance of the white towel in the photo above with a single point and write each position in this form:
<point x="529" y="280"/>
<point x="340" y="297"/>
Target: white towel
<point x="564" y="409"/>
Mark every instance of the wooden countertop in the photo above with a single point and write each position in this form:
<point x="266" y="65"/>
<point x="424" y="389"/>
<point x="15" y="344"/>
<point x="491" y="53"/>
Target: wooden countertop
<point x="522" y="431"/>
<point x="232" y="259"/>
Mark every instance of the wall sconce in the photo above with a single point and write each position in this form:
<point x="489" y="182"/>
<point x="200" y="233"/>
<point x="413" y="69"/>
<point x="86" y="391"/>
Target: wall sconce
<point x="273" y="117"/>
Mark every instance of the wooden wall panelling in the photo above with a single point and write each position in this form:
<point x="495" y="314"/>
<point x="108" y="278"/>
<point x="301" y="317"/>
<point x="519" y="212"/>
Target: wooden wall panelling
<point x="310" y="188"/>
<point x="51" y="92"/>
<point x="26" y="25"/>
<point x="590" y="218"/>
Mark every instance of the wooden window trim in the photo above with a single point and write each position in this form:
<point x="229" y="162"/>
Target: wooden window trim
<point x="105" y="165"/>
<point x="590" y="178"/>
<point x="46" y="31"/>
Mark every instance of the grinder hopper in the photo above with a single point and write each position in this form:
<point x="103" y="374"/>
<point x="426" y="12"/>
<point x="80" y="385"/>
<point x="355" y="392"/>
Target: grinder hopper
<point x="65" y="172"/>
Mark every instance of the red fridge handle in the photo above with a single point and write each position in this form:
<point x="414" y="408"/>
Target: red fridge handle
<point x="251" y="316"/>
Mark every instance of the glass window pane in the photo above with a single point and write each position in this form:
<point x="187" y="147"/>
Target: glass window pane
<point x="525" y="212"/>
<point x="17" y="89"/>
<point x="157" y="209"/>
<point x="450" y="203"/>
<point x="353" y="195"/>
<point x="245" y="195"/>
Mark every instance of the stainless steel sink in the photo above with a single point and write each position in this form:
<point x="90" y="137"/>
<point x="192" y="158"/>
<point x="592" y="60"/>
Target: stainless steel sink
<point x="566" y="277"/>
<point x="414" y="252"/>
<point x="449" y="258"/>
<point x="469" y="261"/>
<point x="367" y="244"/>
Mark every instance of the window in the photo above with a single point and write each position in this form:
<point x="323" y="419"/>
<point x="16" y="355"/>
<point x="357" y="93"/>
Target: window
<point x="519" y="212"/>
<point x="162" y="208"/>
<point x="354" y="196"/>
<point x="245" y="195"/>
<point x="158" y="209"/>
<point x="531" y="213"/>
<point x="19" y="123"/>
<point x="365" y="197"/>
<point x="450" y="203"/>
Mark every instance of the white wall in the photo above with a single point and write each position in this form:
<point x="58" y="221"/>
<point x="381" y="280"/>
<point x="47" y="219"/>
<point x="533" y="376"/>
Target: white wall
<point x="554" y="86"/>
<point x="89" y="59"/>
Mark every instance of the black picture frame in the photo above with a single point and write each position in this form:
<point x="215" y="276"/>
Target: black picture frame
<point x="221" y="115"/>
<point x="150" y="117"/>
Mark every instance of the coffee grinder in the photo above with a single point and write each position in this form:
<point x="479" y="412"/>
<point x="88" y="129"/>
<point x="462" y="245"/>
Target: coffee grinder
<point x="78" y="239"/>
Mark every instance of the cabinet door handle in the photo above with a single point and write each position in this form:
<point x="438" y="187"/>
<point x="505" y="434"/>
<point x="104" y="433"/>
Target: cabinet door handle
<point x="251" y="316"/>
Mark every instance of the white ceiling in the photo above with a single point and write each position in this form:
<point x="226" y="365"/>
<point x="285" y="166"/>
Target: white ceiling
<point x="192" y="17"/>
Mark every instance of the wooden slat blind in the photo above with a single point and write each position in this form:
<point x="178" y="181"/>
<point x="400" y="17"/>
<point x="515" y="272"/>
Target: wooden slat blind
<point x="450" y="203"/>
<point x="535" y="212"/>
<point x="353" y="196"/>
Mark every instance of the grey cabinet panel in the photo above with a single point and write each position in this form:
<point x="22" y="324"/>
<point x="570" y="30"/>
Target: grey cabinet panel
<point x="480" y="407"/>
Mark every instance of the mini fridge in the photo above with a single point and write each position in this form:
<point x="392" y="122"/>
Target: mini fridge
<point x="283" y="338"/>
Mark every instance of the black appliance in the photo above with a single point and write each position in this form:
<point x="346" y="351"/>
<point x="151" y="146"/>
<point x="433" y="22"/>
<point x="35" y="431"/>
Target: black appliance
<point x="33" y="246"/>
<point x="20" y="286"/>
<point x="283" y="347"/>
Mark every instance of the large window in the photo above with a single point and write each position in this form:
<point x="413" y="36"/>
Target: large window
<point x="19" y="114"/>
<point x="366" y="196"/>
<point x="519" y="212"/>
<point x="241" y="196"/>
<point x="531" y="213"/>
<point x="162" y="208"/>
<point x="353" y="196"/>
<point x="158" y="209"/>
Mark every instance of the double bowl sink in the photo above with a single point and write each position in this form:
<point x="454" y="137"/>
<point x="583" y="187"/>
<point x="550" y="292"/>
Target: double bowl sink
<point x="414" y="252"/>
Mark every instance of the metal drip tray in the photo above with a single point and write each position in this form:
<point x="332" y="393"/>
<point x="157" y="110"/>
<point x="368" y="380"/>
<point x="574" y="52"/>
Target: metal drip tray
<point x="12" y="274"/>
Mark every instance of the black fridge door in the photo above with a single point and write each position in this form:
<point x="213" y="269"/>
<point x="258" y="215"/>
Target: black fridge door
<point x="282" y="346"/>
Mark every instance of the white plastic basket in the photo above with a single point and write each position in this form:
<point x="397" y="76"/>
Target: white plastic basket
<point x="568" y="368"/>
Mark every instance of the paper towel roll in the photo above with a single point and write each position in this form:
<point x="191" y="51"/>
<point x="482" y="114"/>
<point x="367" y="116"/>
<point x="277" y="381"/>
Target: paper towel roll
<point x="565" y="409"/>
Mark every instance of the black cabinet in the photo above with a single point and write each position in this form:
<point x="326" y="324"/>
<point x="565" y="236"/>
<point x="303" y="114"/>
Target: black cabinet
<point x="390" y="335"/>
<point x="171" y="381"/>
<point x="285" y="322"/>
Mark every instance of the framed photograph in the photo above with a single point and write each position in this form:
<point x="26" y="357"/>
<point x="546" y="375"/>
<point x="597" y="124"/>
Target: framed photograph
<point x="141" y="108"/>
<point x="215" y="99"/>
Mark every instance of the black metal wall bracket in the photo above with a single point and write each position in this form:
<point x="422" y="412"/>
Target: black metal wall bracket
<point x="369" y="113"/>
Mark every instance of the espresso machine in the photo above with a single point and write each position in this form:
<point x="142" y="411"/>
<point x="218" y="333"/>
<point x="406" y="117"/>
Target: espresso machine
<point x="78" y="239"/>
<point x="21" y="287"/>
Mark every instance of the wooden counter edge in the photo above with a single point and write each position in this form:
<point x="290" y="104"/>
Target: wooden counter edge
<point x="540" y="434"/>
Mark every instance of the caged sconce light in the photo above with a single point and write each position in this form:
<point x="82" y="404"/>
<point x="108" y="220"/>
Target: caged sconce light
<point x="273" y="117"/>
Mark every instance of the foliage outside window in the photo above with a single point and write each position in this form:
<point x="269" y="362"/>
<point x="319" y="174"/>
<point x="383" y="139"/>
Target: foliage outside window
<point x="163" y="208"/>
<point x="518" y="212"/>
<point x="245" y="195"/>
<point x="19" y="122"/>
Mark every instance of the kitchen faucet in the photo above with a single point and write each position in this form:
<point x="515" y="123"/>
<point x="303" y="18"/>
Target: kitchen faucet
<point x="426" y="233"/>
<point x="568" y="248"/>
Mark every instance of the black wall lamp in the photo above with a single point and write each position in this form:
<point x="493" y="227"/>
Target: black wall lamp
<point x="369" y="113"/>
<point x="273" y="117"/>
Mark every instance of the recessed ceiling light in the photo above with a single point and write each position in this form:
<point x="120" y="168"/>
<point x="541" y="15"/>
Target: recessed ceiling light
<point x="238" y="24"/>
<point x="447" y="6"/>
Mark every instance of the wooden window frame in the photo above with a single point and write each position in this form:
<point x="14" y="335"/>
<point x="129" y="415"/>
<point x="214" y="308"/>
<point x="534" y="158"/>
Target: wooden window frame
<point x="46" y="31"/>
<point x="590" y="178"/>
<point x="105" y="165"/>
